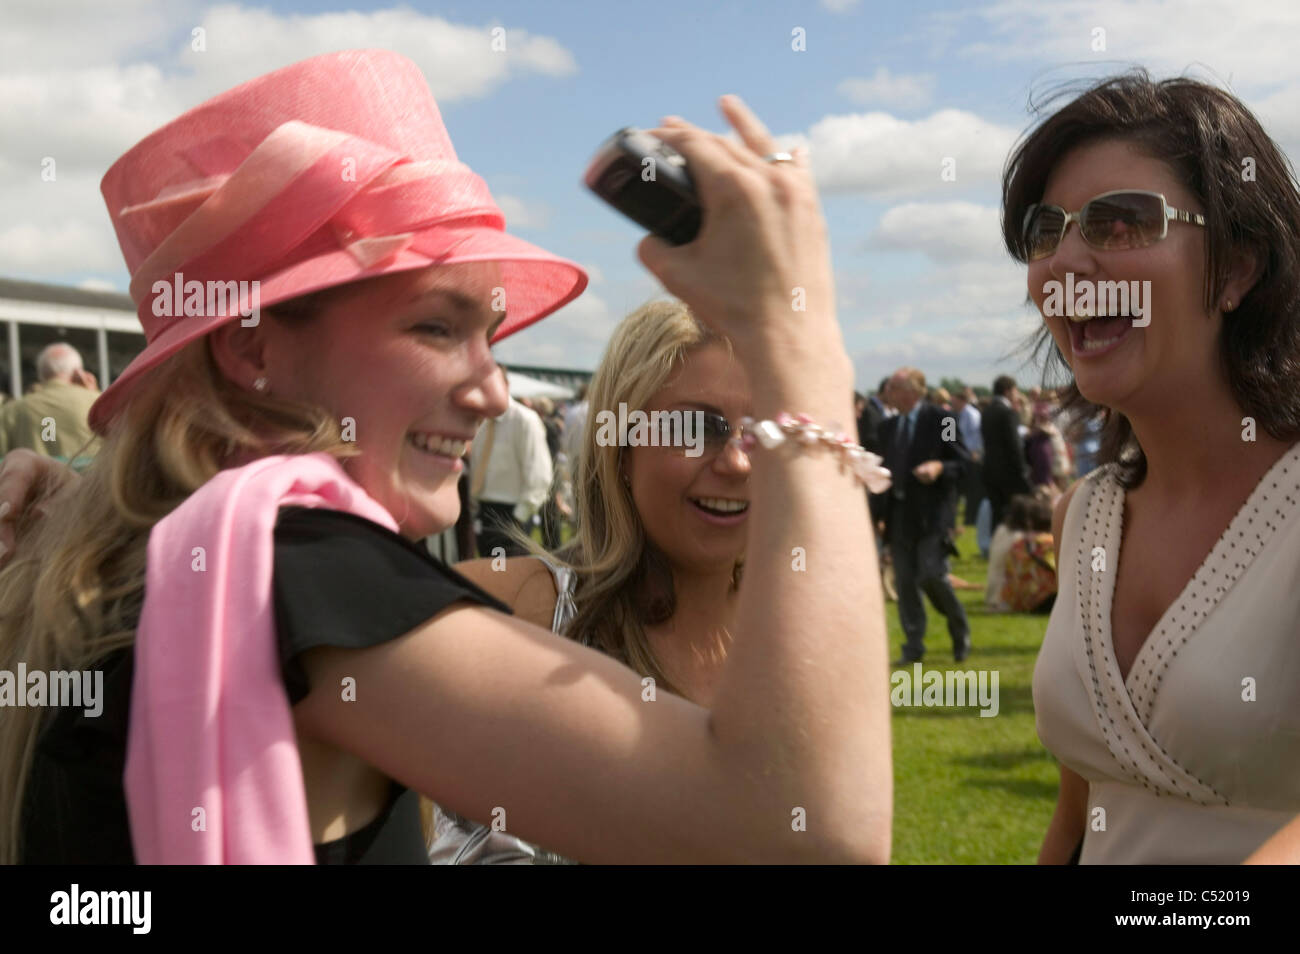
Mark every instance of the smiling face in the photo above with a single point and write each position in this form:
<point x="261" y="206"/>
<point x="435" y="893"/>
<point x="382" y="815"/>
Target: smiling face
<point x="406" y="357"/>
<point x="1174" y="353"/>
<point x="673" y="493"/>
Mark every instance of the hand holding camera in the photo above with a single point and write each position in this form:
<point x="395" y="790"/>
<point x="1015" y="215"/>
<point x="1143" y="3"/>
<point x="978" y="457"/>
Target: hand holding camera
<point x="759" y="269"/>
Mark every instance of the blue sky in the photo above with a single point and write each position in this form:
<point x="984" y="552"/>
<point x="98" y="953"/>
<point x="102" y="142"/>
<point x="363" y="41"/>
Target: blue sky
<point x="882" y="94"/>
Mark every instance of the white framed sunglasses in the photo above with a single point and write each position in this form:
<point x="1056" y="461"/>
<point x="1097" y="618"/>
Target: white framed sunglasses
<point x="1113" y="221"/>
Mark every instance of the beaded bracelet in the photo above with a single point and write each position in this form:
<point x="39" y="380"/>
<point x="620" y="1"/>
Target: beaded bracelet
<point x="771" y="434"/>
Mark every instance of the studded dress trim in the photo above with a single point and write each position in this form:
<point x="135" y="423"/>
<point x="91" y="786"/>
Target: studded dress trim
<point x="1139" y="755"/>
<point x="1123" y="711"/>
<point x="1273" y="502"/>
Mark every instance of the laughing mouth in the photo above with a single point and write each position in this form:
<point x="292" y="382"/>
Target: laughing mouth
<point x="720" y="506"/>
<point x="1089" y="332"/>
<point x="430" y="443"/>
<point x="1082" y="316"/>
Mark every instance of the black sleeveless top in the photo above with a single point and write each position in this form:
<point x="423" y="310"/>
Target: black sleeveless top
<point x="339" y="580"/>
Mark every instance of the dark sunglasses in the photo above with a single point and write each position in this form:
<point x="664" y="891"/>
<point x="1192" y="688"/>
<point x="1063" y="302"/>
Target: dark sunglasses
<point x="1112" y="221"/>
<point x="718" y="431"/>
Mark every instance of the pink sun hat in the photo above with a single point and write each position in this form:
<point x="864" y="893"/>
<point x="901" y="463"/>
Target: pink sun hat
<point x="328" y="171"/>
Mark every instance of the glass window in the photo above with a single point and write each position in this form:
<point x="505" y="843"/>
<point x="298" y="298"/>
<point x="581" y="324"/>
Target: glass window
<point x="123" y="346"/>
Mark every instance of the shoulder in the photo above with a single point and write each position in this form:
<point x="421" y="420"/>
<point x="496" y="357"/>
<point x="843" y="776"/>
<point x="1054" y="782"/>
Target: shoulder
<point x="525" y="584"/>
<point x="1059" y="511"/>
<point x="1089" y="482"/>
<point x="323" y="556"/>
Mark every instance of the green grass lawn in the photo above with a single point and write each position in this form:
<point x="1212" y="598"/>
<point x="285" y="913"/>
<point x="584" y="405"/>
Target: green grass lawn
<point x="972" y="790"/>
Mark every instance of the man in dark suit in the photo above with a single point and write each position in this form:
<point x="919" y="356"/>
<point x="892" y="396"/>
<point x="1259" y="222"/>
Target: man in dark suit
<point x="871" y="413"/>
<point x="1006" y="471"/>
<point x="923" y="450"/>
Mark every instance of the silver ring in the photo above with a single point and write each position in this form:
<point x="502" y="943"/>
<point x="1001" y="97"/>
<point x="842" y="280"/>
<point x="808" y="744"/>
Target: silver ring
<point x="778" y="157"/>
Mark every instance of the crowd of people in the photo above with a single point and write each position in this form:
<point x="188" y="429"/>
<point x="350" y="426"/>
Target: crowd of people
<point x="1018" y="462"/>
<point x="519" y="478"/>
<point x="696" y="670"/>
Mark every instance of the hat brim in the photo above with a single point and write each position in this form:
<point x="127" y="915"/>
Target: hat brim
<point x="536" y="284"/>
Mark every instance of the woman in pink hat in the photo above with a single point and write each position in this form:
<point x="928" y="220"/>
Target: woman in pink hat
<point x="271" y="669"/>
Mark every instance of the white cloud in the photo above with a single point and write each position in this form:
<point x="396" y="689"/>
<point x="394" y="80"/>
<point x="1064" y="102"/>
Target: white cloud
<point x="81" y="34"/>
<point x="943" y="231"/>
<point x="975" y="354"/>
<point x="84" y="118"/>
<point x="457" y="60"/>
<point x="97" y="284"/>
<point x="880" y="155"/>
<point x="27" y="249"/>
<point x="839" y="6"/>
<point x="577" y="334"/>
<point x="1279" y="114"/>
<point x="573" y="337"/>
<point x="522" y="214"/>
<point x="897" y="91"/>
<point x="1244" y="48"/>
<point x="1226" y="36"/>
<point x="86" y="84"/>
<point x="964" y="320"/>
<point x="899" y="316"/>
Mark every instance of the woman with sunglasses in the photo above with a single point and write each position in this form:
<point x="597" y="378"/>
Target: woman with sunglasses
<point x="652" y="575"/>
<point x="368" y="672"/>
<point x="1167" y="681"/>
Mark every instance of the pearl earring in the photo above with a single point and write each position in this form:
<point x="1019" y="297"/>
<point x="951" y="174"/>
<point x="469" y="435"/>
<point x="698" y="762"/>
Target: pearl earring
<point x="261" y="384"/>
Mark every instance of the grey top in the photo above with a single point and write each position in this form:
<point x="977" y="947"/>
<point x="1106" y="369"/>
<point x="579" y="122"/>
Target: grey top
<point x="459" y="841"/>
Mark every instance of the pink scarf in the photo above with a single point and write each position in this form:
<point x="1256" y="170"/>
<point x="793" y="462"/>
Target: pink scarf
<point x="212" y="768"/>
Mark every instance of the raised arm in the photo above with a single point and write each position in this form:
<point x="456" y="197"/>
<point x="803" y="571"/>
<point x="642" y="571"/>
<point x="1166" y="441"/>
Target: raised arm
<point x="484" y="712"/>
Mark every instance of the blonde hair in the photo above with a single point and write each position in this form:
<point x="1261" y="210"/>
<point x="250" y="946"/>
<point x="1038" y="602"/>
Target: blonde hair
<point x="74" y="592"/>
<point x="623" y="581"/>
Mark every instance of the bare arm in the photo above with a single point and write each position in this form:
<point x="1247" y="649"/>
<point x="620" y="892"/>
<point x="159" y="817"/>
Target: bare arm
<point x="1282" y="849"/>
<point x="522" y="583"/>
<point x="482" y="712"/>
<point x="1068" y="821"/>
<point x="1071" y="815"/>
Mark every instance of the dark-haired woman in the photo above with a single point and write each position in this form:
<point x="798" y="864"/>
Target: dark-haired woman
<point x="1169" y="679"/>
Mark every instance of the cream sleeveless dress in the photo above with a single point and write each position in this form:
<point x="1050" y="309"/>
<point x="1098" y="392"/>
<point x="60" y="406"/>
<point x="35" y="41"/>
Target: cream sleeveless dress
<point x="1195" y="758"/>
